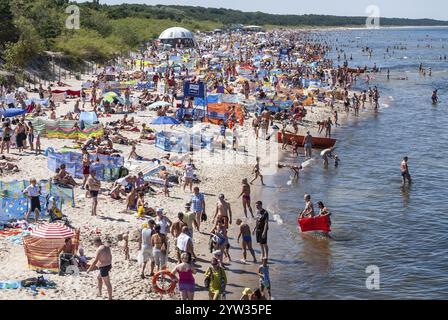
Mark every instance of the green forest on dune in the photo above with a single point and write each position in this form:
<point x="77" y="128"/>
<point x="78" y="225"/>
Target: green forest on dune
<point x="31" y="27"/>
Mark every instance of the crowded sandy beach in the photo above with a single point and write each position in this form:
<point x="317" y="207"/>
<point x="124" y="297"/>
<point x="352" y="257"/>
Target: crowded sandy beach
<point x="140" y="179"/>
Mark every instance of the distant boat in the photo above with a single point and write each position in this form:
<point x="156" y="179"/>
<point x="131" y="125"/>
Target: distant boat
<point x="318" y="142"/>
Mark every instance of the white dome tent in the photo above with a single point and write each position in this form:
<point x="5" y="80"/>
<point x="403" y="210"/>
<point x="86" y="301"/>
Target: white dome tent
<point x="177" y="36"/>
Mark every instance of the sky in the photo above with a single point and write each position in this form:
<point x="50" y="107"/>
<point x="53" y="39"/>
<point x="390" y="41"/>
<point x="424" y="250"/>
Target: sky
<point x="434" y="9"/>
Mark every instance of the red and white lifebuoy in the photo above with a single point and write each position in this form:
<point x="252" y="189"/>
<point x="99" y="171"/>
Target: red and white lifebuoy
<point x="165" y="274"/>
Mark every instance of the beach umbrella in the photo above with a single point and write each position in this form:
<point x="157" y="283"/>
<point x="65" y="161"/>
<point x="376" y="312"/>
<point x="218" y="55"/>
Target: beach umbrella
<point x="52" y="231"/>
<point x="159" y="104"/>
<point x="165" y="120"/>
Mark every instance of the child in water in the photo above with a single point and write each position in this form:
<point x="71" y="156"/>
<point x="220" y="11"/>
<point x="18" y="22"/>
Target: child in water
<point x="336" y="160"/>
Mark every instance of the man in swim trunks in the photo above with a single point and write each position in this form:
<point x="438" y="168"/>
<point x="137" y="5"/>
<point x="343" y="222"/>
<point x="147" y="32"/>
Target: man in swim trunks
<point x="223" y="211"/>
<point x="247" y="239"/>
<point x="405" y="170"/>
<point x="261" y="229"/>
<point x="308" y="145"/>
<point x="103" y="260"/>
<point x="245" y="192"/>
<point x="94" y="186"/>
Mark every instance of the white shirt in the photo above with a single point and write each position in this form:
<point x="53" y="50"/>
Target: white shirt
<point x="182" y="241"/>
<point x="32" y="191"/>
<point x="146" y="238"/>
<point x="10" y="98"/>
<point x="163" y="225"/>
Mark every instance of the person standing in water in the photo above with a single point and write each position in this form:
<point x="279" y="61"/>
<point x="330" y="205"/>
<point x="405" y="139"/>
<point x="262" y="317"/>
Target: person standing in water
<point x="434" y="97"/>
<point x="405" y="170"/>
<point x="257" y="172"/>
<point x="245" y="192"/>
<point x="308" y="145"/>
<point x="261" y="229"/>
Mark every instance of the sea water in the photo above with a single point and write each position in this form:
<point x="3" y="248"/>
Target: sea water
<point x="375" y="221"/>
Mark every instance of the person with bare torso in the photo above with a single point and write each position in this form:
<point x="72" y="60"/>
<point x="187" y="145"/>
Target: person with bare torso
<point x="309" y="209"/>
<point x="103" y="261"/>
<point x="405" y="170"/>
<point x="223" y="211"/>
<point x="247" y="240"/>
<point x="245" y="192"/>
<point x="256" y="172"/>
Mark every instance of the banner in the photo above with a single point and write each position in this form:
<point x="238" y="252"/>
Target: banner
<point x="194" y="89"/>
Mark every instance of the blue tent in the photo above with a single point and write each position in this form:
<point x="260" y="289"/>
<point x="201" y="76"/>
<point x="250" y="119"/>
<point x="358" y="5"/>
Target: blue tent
<point x="165" y="120"/>
<point x="13" y="112"/>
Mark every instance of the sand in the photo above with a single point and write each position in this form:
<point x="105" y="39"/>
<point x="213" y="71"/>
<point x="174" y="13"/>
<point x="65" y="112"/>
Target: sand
<point x="221" y="172"/>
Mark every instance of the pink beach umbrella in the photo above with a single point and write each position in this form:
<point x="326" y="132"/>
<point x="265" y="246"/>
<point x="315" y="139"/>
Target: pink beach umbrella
<point x="52" y="231"/>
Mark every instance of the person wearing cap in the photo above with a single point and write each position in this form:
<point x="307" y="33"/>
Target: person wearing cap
<point x="146" y="248"/>
<point x="247" y="292"/>
<point x="217" y="279"/>
<point x="159" y="248"/>
<point x="190" y="219"/>
<point x="405" y="170"/>
<point x="164" y="222"/>
<point x="223" y="211"/>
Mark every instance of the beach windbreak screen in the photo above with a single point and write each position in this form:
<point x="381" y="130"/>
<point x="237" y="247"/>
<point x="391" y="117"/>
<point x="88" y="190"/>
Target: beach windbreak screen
<point x="241" y="151"/>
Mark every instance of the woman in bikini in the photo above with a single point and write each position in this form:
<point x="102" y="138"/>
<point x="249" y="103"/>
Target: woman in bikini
<point x="6" y="137"/>
<point x="245" y="192"/>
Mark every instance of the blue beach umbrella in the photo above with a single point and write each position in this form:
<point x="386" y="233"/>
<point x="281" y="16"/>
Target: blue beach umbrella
<point x="165" y="120"/>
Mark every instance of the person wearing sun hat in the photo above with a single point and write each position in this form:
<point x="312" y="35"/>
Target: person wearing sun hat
<point x="247" y="292"/>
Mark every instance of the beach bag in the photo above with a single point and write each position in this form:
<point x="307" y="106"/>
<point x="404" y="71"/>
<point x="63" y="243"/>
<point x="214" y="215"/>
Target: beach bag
<point x="203" y="217"/>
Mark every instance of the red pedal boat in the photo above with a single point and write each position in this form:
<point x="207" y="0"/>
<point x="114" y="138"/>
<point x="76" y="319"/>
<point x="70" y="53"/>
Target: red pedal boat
<point x="318" y="142"/>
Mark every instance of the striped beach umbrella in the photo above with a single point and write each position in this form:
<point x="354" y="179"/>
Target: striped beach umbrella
<point x="52" y="231"/>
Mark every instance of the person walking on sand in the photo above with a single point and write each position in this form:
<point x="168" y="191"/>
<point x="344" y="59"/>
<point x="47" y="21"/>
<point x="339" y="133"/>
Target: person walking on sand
<point x="405" y="170"/>
<point x="159" y="248"/>
<point x="185" y="280"/>
<point x="245" y="192"/>
<point x="216" y="280"/>
<point x="261" y="229"/>
<point x="198" y="205"/>
<point x="94" y="186"/>
<point x="256" y="172"/>
<point x="189" y="218"/>
<point x="146" y="248"/>
<point x="308" y="145"/>
<point x="85" y="167"/>
<point x="247" y="240"/>
<point x="103" y="261"/>
<point x="33" y="192"/>
<point x="223" y="211"/>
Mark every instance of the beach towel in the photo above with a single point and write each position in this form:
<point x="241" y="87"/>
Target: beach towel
<point x="318" y="223"/>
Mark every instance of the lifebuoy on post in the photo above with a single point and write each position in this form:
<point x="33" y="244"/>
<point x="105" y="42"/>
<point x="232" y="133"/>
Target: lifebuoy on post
<point x="164" y="274"/>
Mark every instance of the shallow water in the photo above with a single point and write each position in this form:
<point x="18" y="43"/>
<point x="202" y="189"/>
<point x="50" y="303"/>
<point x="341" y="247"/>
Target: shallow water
<point x="375" y="221"/>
